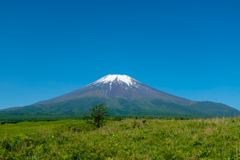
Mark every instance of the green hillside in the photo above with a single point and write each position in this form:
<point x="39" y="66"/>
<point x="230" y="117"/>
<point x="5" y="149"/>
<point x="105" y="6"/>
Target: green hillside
<point x="122" y="106"/>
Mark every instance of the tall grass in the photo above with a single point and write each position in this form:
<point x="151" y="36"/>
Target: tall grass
<point x="128" y="139"/>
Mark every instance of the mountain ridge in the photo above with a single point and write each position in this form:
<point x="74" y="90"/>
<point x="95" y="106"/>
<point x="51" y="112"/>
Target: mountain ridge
<point x="120" y="83"/>
<point x="125" y="95"/>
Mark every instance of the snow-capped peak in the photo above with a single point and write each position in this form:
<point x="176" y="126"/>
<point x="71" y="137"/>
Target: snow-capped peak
<point x="111" y="77"/>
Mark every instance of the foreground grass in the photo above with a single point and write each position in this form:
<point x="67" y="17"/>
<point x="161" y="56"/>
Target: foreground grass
<point x="9" y="130"/>
<point x="127" y="139"/>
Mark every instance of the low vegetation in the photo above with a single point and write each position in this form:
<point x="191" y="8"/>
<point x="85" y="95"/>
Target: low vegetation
<point x="127" y="139"/>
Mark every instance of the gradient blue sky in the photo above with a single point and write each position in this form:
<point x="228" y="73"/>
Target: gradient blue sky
<point x="189" y="48"/>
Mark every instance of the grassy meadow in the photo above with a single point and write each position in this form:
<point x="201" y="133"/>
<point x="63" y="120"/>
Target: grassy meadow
<point x="217" y="138"/>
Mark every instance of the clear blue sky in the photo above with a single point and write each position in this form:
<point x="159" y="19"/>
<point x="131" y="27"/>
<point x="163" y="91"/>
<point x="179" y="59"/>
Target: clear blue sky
<point x="189" y="48"/>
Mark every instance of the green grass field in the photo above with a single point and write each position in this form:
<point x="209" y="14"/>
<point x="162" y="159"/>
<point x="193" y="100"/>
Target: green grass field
<point x="127" y="139"/>
<point x="9" y="130"/>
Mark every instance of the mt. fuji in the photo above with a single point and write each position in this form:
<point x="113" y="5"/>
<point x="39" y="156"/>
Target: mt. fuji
<point x="125" y="96"/>
<point x="115" y="85"/>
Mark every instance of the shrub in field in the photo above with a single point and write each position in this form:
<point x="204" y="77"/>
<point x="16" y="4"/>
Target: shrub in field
<point x="97" y="115"/>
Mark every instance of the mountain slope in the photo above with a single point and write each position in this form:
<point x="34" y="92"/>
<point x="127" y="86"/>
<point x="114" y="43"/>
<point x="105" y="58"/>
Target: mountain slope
<point x="112" y="86"/>
<point x="124" y="96"/>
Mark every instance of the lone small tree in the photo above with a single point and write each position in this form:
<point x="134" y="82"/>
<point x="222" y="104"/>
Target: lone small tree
<point x="98" y="115"/>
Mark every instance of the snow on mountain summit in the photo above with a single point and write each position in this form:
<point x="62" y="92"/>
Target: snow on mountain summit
<point x="112" y="77"/>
